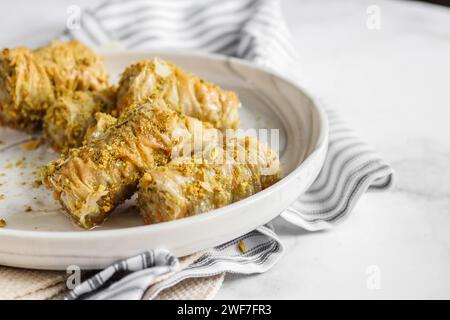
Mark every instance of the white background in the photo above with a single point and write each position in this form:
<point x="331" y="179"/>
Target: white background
<point x="393" y="86"/>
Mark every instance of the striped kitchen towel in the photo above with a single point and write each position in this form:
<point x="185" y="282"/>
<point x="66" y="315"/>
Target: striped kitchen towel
<point x="253" y="30"/>
<point x="148" y="274"/>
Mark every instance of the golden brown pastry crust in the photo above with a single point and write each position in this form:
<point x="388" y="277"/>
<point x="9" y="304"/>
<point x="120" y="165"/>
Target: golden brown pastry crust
<point x="218" y="176"/>
<point x="92" y="180"/>
<point x="31" y="81"/>
<point x="26" y="90"/>
<point x="183" y="92"/>
<point x="69" y="117"/>
<point x="102" y="122"/>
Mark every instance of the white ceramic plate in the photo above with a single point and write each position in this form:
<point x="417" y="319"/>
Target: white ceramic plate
<point x="44" y="238"/>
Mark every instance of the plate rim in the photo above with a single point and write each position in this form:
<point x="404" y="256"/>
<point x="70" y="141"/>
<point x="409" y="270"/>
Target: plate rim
<point x="159" y="227"/>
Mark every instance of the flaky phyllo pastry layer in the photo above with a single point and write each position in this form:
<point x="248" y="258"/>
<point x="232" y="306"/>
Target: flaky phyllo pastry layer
<point x="92" y="180"/>
<point x="210" y="179"/>
<point x="31" y="81"/>
<point x="69" y="118"/>
<point x="183" y="92"/>
<point x="160" y="132"/>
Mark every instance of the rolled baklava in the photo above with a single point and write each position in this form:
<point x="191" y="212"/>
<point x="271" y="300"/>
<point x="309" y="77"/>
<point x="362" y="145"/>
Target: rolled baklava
<point x="31" y="81"/>
<point x="69" y="117"/>
<point x="182" y="91"/>
<point x="92" y="180"/>
<point x="214" y="178"/>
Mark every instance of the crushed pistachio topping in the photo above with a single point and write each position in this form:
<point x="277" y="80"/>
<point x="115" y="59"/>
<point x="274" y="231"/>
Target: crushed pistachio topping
<point x="32" y="144"/>
<point x="242" y="247"/>
<point x="68" y="120"/>
<point x="20" y="163"/>
<point x="31" y="80"/>
<point x="90" y="181"/>
<point x="183" y="92"/>
<point x="186" y="187"/>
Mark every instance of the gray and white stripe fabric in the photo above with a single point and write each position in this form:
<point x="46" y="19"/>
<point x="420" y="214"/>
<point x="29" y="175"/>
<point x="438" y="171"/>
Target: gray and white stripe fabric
<point x="253" y="30"/>
<point x="351" y="168"/>
<point x="126" y="279"/>
<point x="262" y="250"/>
<point x="140" y="276"/>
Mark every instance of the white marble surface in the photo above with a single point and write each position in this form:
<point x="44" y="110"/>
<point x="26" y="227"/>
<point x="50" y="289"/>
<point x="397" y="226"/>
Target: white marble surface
<point x="393" y="86"/>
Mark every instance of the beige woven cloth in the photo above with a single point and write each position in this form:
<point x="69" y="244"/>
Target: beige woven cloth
<point x="24" y="284"/>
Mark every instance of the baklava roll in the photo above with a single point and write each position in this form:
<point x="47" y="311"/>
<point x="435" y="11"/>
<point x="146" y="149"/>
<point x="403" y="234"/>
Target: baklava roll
<point x="26" y="90"/>
<point x="184" y="92"/>
<point x="72" y="66"/>
<point x="191" y="185"/>
<point x="31" y="81"/>
<point x="69" y="117"/>
<point x="92" y="180"/>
